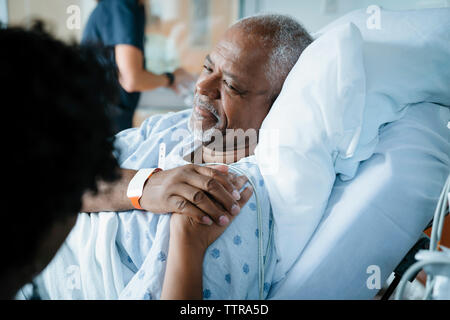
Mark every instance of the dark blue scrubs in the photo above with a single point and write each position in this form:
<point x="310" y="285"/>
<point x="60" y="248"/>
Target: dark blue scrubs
<point x="111" y="23"/>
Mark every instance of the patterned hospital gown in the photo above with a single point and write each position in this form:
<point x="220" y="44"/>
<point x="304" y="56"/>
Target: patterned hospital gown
<point x="123" y="255"/>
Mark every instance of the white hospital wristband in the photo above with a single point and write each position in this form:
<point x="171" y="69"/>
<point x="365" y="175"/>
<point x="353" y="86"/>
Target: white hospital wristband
<point x="136" y="185"/>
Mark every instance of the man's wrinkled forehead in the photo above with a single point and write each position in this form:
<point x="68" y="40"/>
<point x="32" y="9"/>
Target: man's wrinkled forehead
<point x="241" y="56"/>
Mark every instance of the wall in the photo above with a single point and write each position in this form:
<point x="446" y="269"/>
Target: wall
<point x="53" y="12"/>
<point x="3" y="12"/>
<point x="314" y="14"/>
<point x="174" y="21"/>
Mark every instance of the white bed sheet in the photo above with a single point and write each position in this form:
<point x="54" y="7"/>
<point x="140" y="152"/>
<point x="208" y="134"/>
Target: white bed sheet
<point x="375" y="218"/>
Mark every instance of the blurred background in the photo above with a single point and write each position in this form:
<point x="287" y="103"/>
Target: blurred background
<point x="180" y="33"/>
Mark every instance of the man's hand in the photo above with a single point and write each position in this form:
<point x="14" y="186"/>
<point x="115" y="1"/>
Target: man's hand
<point x="204" y="194"/>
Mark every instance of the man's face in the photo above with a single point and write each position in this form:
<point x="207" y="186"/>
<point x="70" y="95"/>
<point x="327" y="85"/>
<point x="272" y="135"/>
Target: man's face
<point x="232" y="91"/>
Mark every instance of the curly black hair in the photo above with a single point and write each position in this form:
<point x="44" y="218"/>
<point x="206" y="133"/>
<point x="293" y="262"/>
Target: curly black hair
<point x="59" y="141"/>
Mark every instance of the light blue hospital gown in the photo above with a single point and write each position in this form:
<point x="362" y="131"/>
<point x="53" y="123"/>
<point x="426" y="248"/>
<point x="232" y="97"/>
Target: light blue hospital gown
<point x="238" y="265"/>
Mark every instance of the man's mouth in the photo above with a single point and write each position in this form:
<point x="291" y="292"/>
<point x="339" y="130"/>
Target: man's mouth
<point x="205" y="113"/>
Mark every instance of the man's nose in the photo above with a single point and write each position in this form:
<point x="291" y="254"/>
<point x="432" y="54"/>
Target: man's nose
<point x="209" y="86"/>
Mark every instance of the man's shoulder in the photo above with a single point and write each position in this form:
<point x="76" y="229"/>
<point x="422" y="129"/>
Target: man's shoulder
<point x="161" y="122"/>
<point x="139" y="147"/>
<point x="157" y="125"/>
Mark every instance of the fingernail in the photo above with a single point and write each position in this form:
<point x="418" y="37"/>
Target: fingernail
<point x="207" y="220"/>
<point x="223" y="220"/>
<point x="235" y="209"/>
<point x="236" y="195"/>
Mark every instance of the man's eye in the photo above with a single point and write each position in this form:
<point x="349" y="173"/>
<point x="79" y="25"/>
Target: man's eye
<point x="230" y="86"/>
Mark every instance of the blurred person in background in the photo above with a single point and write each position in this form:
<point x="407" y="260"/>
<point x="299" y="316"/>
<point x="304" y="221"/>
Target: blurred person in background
<point x="119" y="25"/>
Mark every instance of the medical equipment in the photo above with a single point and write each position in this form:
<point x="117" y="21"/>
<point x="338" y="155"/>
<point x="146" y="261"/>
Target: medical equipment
<point x="435" y="263"/>
<point x="408" y="260"/>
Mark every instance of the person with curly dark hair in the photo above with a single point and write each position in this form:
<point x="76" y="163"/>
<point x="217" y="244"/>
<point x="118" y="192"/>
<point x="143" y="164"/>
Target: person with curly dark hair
<point x="56" y="94"/>
<point x="62" y="148"/>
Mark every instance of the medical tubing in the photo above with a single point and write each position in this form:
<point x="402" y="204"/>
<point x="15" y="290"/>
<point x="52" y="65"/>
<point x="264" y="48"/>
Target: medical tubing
<point x="439" y="214"/>
<point x="268" y="253"/>
<point x="429" y="290"/>
<point x="262" y="259"/>
<point x="261" y="275"/>
<point x="261" y="263"/>
<point x="438" y="223"/>
<point x="443" y="208"/>
<point x="436" y="234"/>
<point x="416" y="267"/>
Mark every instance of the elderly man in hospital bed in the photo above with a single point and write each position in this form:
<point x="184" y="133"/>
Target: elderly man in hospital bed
<point x="326" y="120"/>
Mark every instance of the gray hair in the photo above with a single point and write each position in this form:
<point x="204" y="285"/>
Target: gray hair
<point x="285" y="36"/>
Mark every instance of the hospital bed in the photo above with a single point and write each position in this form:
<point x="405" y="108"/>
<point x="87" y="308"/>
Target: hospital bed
<point x="374" y="219"/>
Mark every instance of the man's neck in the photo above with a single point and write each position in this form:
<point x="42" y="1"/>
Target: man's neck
<point x="231" y="156"/>
<point x="209" y="154"/>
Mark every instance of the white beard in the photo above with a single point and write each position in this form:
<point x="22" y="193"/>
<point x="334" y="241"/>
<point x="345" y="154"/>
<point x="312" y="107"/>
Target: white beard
<point x="201" y="135"/>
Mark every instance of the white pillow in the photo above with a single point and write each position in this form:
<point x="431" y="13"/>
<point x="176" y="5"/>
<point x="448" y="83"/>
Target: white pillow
<point x="410" y="52"/>
<point x="407" y="61"/>
<point x="318" y="117"/>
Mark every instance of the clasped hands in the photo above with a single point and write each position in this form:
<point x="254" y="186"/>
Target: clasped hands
<point x="204" y="199"/>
